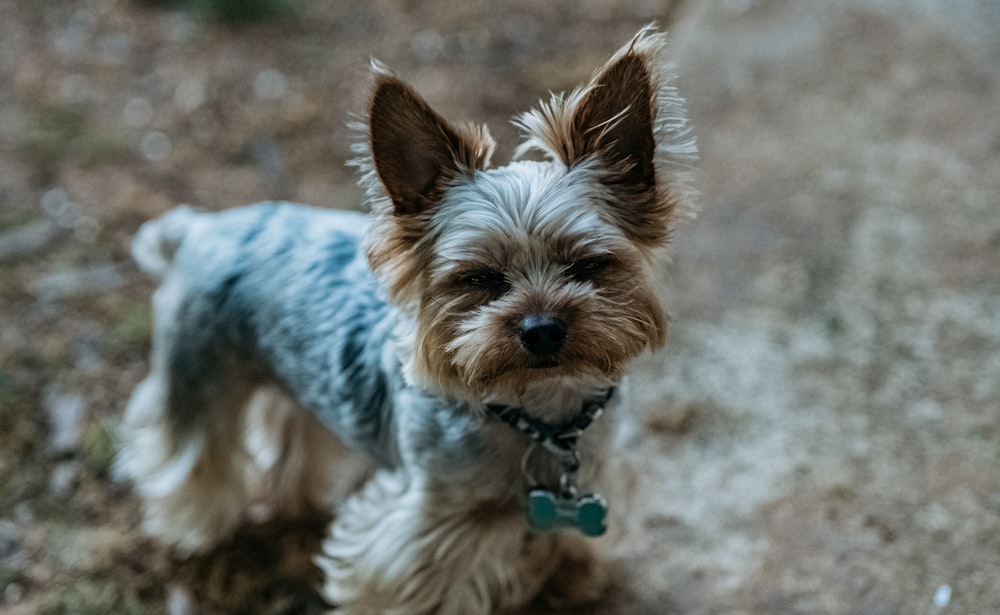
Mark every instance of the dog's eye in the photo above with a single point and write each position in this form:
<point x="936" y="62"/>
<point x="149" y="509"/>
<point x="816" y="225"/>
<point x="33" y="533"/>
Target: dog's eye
<point x="587" y="268"/>
<point x="488" y="280"/>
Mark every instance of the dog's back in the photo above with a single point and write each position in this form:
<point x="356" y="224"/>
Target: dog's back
<point x="272" y="294"/>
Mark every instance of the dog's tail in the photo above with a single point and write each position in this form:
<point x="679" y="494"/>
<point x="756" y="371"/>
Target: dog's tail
<point x="157" y="241"/>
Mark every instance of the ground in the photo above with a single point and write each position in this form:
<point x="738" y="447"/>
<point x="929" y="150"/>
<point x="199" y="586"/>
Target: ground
<point x="822" y="435"/>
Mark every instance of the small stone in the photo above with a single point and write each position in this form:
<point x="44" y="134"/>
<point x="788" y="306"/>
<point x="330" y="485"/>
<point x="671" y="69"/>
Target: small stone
<point x="270" y="85"/>
<point x="64" y="477"/>
<point x="156" y="146"/>
<point x="180" y="601"/>
<point x="10" y="537"/>
<point x="26" y="240"/>
<point x="76" y="282"/>
<point x="66" y="412"/>
<point x="942" y="596"/>
<point x="13" y="593"/>
<point x="189" y="94"/>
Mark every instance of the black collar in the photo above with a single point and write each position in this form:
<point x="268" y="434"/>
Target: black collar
<point x="560" y="440"/>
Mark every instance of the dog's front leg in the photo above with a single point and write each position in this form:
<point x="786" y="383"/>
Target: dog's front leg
<point x="395" y="550"/>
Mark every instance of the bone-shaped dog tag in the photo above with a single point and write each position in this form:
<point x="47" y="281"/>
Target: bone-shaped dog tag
<point x="548" y="511"/>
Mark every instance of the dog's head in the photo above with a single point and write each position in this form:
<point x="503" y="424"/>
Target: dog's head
<point x="534" y="271"/>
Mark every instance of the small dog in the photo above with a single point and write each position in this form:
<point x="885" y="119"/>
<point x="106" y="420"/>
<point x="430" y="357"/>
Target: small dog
<point x="466" y="337"/>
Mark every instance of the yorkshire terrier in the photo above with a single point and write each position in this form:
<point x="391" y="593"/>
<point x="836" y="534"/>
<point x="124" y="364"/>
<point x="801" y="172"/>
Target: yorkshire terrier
<point x="467" y="336"/>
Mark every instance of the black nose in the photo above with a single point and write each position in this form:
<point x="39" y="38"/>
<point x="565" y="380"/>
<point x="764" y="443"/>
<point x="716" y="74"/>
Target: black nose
<point x="543" y="334"/>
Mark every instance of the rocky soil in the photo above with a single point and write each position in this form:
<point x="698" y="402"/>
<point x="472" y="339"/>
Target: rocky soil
<point x="823" y="434"/>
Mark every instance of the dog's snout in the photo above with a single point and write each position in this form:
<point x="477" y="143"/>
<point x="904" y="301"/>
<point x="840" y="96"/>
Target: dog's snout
<point x="543" y="334"/>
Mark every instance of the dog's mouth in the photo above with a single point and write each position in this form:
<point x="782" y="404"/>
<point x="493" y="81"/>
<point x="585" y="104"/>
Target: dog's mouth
<point x="531" y="369"/>
<point x="563" y="363"/>
<point x="544" y="363"/>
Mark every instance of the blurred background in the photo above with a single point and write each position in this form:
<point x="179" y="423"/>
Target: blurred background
<point x="823" y="434"/>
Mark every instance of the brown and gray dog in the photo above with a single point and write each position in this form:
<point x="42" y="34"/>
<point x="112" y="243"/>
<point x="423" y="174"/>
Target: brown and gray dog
<point x="467" y="336"/>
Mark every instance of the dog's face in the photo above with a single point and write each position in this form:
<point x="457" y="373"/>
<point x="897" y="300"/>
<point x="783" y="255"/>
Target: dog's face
<point x="534" y="271"/>
<point x="526" y="279"/>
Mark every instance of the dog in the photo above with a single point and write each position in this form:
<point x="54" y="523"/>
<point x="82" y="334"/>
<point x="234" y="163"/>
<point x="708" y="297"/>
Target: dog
<point x="471" y="336"/>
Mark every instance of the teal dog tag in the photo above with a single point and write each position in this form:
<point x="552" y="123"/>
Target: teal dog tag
<point x="548" y="511"/>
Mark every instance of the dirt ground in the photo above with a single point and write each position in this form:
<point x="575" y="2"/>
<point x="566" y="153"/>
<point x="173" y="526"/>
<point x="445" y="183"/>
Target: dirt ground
<point x="823" y="434"/>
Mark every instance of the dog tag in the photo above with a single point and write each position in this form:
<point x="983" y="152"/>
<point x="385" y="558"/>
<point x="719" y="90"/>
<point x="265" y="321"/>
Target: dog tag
<point x="548" y="511"/>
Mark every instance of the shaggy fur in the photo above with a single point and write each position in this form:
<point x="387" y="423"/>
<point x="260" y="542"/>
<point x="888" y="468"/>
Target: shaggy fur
<point x="398" y="330"/>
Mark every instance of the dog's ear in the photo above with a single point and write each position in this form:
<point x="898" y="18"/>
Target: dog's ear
<point x="614" y="121"/>
<point x="630" y="120"/>
<point x="415" y="151"/>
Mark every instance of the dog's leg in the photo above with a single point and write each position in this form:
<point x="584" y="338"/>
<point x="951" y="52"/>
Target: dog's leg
<point x="392" y="552"/>
<point x="299" y="467"/>
<point x="181" y="443"/>
<point x="579" y="578"/>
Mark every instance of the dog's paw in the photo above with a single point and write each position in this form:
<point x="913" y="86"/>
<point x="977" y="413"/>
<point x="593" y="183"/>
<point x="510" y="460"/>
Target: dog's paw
<point x="579" y="579"/>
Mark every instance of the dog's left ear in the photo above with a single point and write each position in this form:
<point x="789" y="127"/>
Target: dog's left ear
<point x="615" y="122"/>
<point x="629" y="119"/>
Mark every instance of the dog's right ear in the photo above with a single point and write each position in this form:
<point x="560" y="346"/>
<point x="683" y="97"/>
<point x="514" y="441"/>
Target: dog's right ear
<point x="415" y="151"/>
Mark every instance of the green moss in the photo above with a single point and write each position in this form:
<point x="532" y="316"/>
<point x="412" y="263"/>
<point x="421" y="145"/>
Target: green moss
<point x="834" y="324"/>
<point x="8" y="390"/>
<point x="134" y="326"/>
<point x="237" y="11"/>
<point x="55" y="136"/>
<point x="91" y="597"/>
<point x="99" y="448"/>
